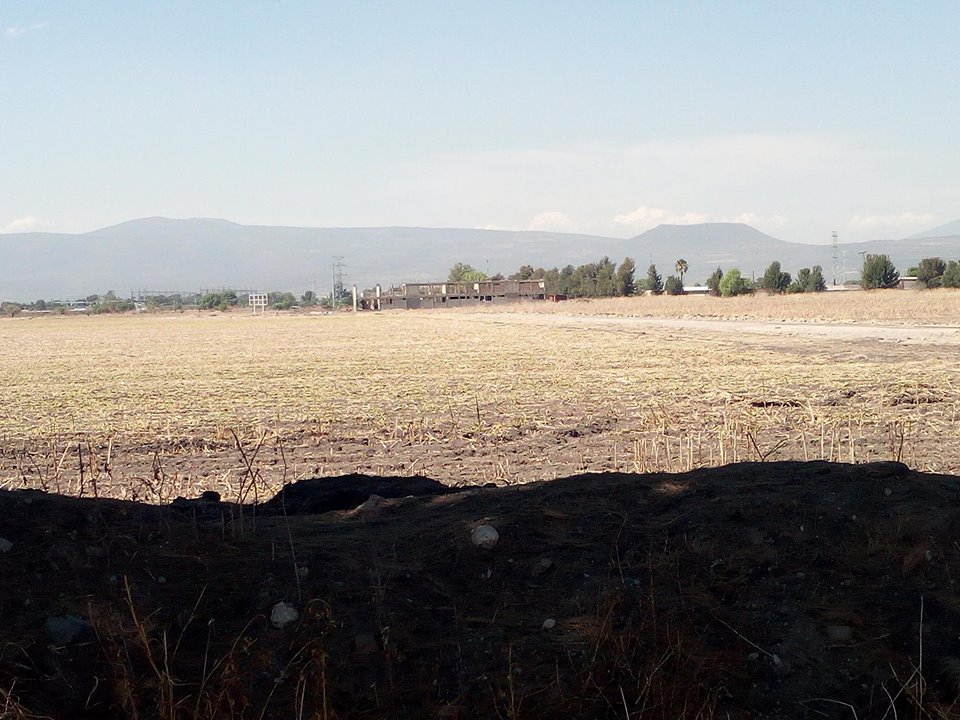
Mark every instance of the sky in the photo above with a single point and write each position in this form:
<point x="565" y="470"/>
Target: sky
<point x="597" y="117"/>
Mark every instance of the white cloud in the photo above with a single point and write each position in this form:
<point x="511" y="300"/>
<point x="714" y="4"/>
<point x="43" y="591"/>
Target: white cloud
<point x="18" y="30"/>
<point x="554" y="221"/>
<point x="647" y="217"/>
<point x="749" y="218"/>
<point x="897" y="222"/>
<point x="28" y="223"/>
<point x="775" y="182"/>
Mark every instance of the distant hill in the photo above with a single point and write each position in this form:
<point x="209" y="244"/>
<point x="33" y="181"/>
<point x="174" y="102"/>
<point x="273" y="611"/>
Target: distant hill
<point x="164" y="254"/>
<point x="726" y="245"/>
<point x="951" y="228"/>
<point x="200" y="253"/>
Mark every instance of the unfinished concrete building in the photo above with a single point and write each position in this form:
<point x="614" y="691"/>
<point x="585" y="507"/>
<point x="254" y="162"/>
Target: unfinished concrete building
<point x="453" y="294"/>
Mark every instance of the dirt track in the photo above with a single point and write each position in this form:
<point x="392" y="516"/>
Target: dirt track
<point x="908" y="334"/>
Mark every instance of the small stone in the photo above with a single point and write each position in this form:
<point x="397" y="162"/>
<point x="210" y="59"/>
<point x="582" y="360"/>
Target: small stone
<point x="541" y="566"/>
<point x="65" y="629"/>
<point x="303" y="571"/>
<point x="95" y="552"/>
<point x="283" y="614"/>
<point x="548" y="624"/>
<point x="365" y="643"/>
<point x="754" y="656"/>
<point x="888" y="492"/>
<point x="5" y="545"/>
<point x="839" y="633"/>
<point x="485" y="536"/>
<point x="369" y="504"/>
<point x="161" y="579"/>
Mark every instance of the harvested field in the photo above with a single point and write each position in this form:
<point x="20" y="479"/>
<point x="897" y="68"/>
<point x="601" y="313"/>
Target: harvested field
<point x="153" y="407"/>
<point x="639" y="582"/>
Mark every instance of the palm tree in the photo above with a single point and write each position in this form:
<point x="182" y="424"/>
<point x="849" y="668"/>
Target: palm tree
<point x="681" y="268"/>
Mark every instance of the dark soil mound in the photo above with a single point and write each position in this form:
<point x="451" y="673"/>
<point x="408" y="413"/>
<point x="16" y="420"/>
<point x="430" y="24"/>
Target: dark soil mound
<point x="319" y="495"/>
<point x="777" y="590"/>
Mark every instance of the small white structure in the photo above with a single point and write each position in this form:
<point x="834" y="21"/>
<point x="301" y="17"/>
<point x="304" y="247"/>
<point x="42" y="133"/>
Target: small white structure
<point x="258" y="300"/>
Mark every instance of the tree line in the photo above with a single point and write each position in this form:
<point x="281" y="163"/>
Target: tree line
<point x="605" y="278"/>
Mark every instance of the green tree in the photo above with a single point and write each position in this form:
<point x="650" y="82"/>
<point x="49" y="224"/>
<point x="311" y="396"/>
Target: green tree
<point x="625" y="273"/>
<point x="733" y="283"/>
<point x="878" y="273"/>
<point x="774" y="279"/>
<point x="930" y="272"/>
<point x="461" y="272"/>
<point x="681" y="267"/>
<point x="281" y="300"/>
<point x="524" y="273"/>
<point x="951" y="276"/>
<point x="800" y="282"/>
<point x="816" y="283"/>
<point x="308" y="299"/>
<point x="713" y="282"/>
<point x="673" y="285"/>
<point x="654" y="280"/>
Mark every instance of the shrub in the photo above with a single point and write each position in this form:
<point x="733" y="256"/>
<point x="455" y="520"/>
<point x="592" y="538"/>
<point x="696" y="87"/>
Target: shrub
<point x="733" y="283"/>
<point x="673" y="286"/>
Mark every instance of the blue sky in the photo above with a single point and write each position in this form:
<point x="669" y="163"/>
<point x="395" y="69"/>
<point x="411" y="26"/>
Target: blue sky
<point x="599" y="117"/>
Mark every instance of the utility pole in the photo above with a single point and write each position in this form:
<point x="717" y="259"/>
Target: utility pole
<point x="836" y="258"/>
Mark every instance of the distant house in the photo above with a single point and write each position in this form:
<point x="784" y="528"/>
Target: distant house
<point x="910" y="282"/>
<point x="696" y="290"/>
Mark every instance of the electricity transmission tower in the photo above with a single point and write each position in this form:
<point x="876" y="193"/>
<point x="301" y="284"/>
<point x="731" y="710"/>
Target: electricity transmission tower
<point x="337" y="291"/>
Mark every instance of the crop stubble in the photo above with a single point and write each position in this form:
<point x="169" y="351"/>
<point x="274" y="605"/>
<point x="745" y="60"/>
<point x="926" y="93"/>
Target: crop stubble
<point x="153" y="406"/>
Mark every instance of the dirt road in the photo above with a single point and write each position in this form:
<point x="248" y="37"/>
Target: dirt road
<point x="907" y="334"/>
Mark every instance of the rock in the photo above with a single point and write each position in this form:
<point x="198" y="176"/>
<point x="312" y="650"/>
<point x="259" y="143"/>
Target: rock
<point x="65" y="629"/>
<point x="541" y="566"/>
<point x="210" y="496"/>
<point x="365" y="643"/>
<point x="548" y="624"/>
<point x="840" y="633"/>
<point x="5" y="545"/>
<point x="885" y="469"/>
<point x="283" y="614"/>
<point x="485" y="536"/>
<point x="369" y="504"/>
<point x="95" y="552"/>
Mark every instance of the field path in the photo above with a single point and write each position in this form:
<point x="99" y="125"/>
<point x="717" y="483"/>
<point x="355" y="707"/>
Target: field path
<point x="906" y="334"/>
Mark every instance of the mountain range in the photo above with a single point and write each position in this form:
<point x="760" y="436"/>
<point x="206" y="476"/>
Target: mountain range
<point x="163" y="254"/>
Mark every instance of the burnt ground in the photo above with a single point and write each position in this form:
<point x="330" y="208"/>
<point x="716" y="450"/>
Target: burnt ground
<point x="775" y="590"/>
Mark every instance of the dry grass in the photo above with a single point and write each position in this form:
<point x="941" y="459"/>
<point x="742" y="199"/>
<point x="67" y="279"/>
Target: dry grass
<point x="147" y="406"/>
<point x="938" y="307"/>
